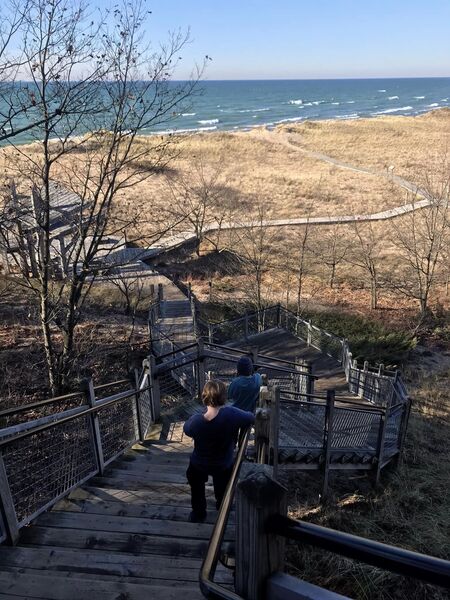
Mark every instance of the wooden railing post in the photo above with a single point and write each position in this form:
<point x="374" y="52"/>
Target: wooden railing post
<point x="380" y="444"/>
<point x="254" y="352"/>
<point x="328" y="435"/>
<point x="362" y="385"/>
<point x="210" y="333"/>
<point x="262" y="434"/>
<point x="306" y="380"/>
<point x="278" y="315"/>
<point x="7" y="509"/>
<point x="154" y="388"/>
<point x="201" y="379"/>
<point x="97" y="438"/>
<point x="194" y="317"/>
<point x="140" y="424"/>
<point x="246" y="325"/>
<point x="258" y="554"/>
<point x="309" y="334"/>
<point x="274" y="429"/>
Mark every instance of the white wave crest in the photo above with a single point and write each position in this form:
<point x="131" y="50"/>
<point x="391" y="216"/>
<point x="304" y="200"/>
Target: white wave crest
<point x="295" y="101"/>
<point x="336" y="103"/>
<point x="208" y="121"/>
<point x="419" y="97"/>
<point x="393" y="98"/>
<point x="178" y="131"/>
<point x="188" y="114"/>
<point x="253" y="110"/>
<point x="382" y="91"/>
<point x="351" y="102"/>
<point x="350" y="116"/>
<point x="444" y="100"/>
<point x="392" y="110"/>
<point x="433" y="105"/>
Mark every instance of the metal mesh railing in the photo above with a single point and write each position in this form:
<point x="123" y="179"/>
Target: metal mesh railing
<point x="41" y="409"/>
<point x="302" y="424"/>
<point x="355" y="429"/>
<point x="393" y="432"/>
<point x="376" y="389"/>
<point x="118" y="427"/>
<point x="44" y="466"/>
<point x="326" y="342"/>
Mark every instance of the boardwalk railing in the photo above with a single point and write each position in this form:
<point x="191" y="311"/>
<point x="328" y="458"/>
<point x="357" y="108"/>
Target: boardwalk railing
<point x="378" y="386"/>
<point x="262" y="526"/>
<point x="43" y="460"/>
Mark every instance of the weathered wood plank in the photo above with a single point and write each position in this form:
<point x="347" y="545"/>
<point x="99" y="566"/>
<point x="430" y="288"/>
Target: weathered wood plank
<point x="131" y="525"/>
<point x="164" y="458"/>
<point x="56" y="588"/>
<point x="180" y="496"/>
<point x="138" y="477"/>
<point x="148" y="569"/>
<point x="137" y="483"/>
<point x="124" y="509"/>
<point x="113" y="542"/>
<point x="149" y="470"/>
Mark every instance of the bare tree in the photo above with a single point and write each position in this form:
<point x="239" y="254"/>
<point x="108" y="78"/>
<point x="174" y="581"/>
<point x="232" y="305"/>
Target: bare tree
<point x="422" y="238"/>
<point x="366" y="254"/>
<point x="254" y="245"/>
<point x="107" y="85"/>
<point x="134" y="293"/>
<point x="202" y="199"/>
<point x="331" y="246"/>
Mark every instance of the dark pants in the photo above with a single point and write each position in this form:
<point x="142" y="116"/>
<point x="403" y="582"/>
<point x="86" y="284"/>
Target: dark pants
<point x="197" y="477"/>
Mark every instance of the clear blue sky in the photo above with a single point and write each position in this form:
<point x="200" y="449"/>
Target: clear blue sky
<point x="290" y="39"/>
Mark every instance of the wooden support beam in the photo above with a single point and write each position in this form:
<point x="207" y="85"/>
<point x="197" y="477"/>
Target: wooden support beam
<point x="140" y="422"/>
<point x="274" y="428"/>
<point x="155" y="392"/>
<point x="201" y="378"/>
<point x="258" y="553"/>
<point x="96" y="435"/>
<point x="7" y="509"/>
<point x="380" y="445"/>
<point x="262" y="434"/>
<point x="328" y="435"/>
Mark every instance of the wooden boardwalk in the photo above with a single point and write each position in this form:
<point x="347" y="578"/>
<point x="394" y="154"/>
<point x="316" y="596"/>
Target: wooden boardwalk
<point x="122" y="536"/>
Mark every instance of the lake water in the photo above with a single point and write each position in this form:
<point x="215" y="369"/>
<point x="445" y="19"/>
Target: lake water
<point x="231" y="105"/>
<point x="241" y="105"/>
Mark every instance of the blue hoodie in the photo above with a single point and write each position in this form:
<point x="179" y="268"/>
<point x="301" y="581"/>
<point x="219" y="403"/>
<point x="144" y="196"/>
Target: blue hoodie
<point x="243" y="391"/>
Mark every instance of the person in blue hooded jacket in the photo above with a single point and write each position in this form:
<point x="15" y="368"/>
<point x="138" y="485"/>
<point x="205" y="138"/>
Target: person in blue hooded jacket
<point x="243" y="391"/>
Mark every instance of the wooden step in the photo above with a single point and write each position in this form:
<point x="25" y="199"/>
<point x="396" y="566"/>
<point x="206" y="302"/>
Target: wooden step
<point x="146" y="476"/>
<point x="148" y="466"/>
<point x="142" y="483"/>
<point x="180" y="496"/>
<point x="131" y="525"/>
<point x="113" y="541"/>
<point x="47" y="587"/>
<point x="150" y="569"/>
<point x="125" y="509"/>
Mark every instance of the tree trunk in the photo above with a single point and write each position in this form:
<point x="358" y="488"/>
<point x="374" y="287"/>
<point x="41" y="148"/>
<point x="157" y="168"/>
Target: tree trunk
<point x="374" y="292"/>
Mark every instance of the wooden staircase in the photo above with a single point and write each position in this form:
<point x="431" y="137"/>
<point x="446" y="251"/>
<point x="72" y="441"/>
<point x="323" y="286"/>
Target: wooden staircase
<point x="122" y="536"/>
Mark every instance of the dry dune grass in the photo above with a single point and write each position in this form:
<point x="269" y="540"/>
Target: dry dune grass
<point x="409" y="144"/>
<point x="260" y="169"/>
<point x="270" y="167"/>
